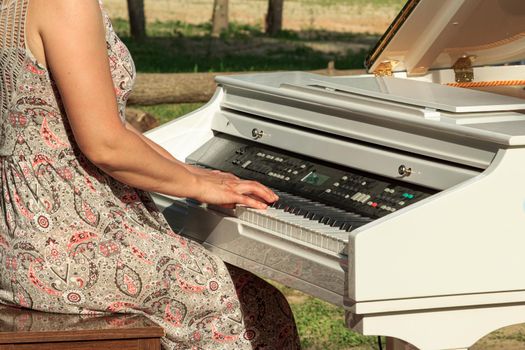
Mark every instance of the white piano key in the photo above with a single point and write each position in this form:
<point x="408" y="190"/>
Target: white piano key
<point x="297" y="227"/>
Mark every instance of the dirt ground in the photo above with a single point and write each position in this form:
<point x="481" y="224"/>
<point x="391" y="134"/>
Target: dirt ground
<point x="339" y="17"/>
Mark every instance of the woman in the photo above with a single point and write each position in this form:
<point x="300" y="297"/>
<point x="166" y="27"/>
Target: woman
<point x="76" y="233"/>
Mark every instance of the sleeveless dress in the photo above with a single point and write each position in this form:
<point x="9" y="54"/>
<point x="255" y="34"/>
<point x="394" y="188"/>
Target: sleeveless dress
<point x="75" y="240"/>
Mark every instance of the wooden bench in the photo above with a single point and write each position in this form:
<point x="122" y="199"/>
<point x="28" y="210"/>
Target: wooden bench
<point x="22" y="329"/>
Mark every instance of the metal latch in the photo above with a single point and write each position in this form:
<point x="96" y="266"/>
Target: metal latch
<point x="463" y="69"/>
<point x="404" y="171"/>
<point x="385" y="68"/>
<point x="257" y="134"/>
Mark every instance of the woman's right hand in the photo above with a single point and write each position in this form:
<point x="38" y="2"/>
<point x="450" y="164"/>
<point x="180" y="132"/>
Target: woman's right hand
<point x="222" y="190"/>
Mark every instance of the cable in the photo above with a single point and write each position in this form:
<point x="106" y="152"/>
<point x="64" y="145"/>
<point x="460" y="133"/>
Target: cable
<point x="380" y="345"/>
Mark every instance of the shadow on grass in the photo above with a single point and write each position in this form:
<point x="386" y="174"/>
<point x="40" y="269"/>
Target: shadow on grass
<point x="175" y="46"/>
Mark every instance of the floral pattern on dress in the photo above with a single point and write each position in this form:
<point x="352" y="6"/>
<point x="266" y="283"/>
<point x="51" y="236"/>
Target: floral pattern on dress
<point x="75" y="240"/>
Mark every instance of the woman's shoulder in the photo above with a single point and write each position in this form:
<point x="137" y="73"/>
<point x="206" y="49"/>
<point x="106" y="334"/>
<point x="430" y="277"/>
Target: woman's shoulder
<point x="66" y="14"/>
<point x="58" y="8"/>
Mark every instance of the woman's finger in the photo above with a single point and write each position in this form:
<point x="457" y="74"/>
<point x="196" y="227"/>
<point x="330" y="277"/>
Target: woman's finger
<point x="250" y="202"/>
<point x="228" y="206"/>
<point x="251" y="187"/>
<point x="272" y="194"/>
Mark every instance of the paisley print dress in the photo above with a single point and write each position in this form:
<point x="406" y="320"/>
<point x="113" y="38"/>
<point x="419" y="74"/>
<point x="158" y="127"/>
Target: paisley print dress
<point x="75" y="240"/>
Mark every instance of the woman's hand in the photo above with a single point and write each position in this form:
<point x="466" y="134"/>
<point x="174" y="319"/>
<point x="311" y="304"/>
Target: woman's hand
<point x="206" y="172"/>
<point x="225" y="189"/>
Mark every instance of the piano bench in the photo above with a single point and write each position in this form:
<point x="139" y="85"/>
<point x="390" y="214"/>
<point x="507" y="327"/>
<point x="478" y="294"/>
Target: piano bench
<point x="22" y="329"/>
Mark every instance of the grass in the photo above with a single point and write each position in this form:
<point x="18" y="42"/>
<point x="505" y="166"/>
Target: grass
<point x="174" y="46"/>
<point x="321" y="325"/>
<point x="165" y="113"/>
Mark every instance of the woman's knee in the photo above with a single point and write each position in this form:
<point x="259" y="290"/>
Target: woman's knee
<point x="257" y="295"/>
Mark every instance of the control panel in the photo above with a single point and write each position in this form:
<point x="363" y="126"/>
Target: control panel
<point x="344" y="188"/>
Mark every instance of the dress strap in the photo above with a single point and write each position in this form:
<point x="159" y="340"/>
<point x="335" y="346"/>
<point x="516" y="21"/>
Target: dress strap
<point x="13" y="15"/>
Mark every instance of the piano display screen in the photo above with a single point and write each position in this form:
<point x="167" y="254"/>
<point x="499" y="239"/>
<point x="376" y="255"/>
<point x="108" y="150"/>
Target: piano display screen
<point x="315" y="178"/>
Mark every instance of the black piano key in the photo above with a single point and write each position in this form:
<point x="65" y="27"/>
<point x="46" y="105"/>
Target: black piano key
<point x="297" y="211"/>
<point x="347" y="226"/>
<point x="338" y="220"/>
<point x="325" y="220"/>
<point x="338" y="223"/>
<point x="280" y="204"/>
<point x="301" y="211"/>
<point x="315" y="216"/>
<point x="316" y="211"/>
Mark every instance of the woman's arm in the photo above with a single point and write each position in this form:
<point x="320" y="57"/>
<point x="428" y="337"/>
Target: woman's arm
<point x="73" y="37"/>
<point x="160" y="150"/>
<point x="193" y="169"/>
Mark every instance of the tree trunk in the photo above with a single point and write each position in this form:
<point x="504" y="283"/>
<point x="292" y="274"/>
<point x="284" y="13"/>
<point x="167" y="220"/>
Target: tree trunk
<point x="137" y="20"/>
<point x="220" y="17"/>
<point x="155" y="88"/>
<point x="274" y="17"/>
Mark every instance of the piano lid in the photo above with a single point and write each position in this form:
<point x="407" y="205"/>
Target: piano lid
<point x="433" y="34"/>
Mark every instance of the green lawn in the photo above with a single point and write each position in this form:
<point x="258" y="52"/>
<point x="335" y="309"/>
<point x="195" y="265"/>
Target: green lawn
<point x="174" y="46"/>
<point x="321" y="326"/>
<point x="165" y="113"/>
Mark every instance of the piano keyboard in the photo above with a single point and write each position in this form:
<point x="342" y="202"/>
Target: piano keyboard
<point x="302" y="240"/>
<point x="319" y="204"/>
<point x="305" y="220"/>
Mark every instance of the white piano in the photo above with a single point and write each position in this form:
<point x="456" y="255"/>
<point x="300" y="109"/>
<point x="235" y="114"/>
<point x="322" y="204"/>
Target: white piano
<point x="402" y="191"/>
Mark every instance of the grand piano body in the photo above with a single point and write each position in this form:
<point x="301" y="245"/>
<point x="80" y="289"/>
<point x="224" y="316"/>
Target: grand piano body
<point x="403" y="192"/>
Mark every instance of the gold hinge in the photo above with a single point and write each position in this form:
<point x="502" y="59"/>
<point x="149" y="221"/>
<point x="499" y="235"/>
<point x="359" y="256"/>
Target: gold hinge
<point x="385" y="68"/>
<point x="463" y="69"/>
